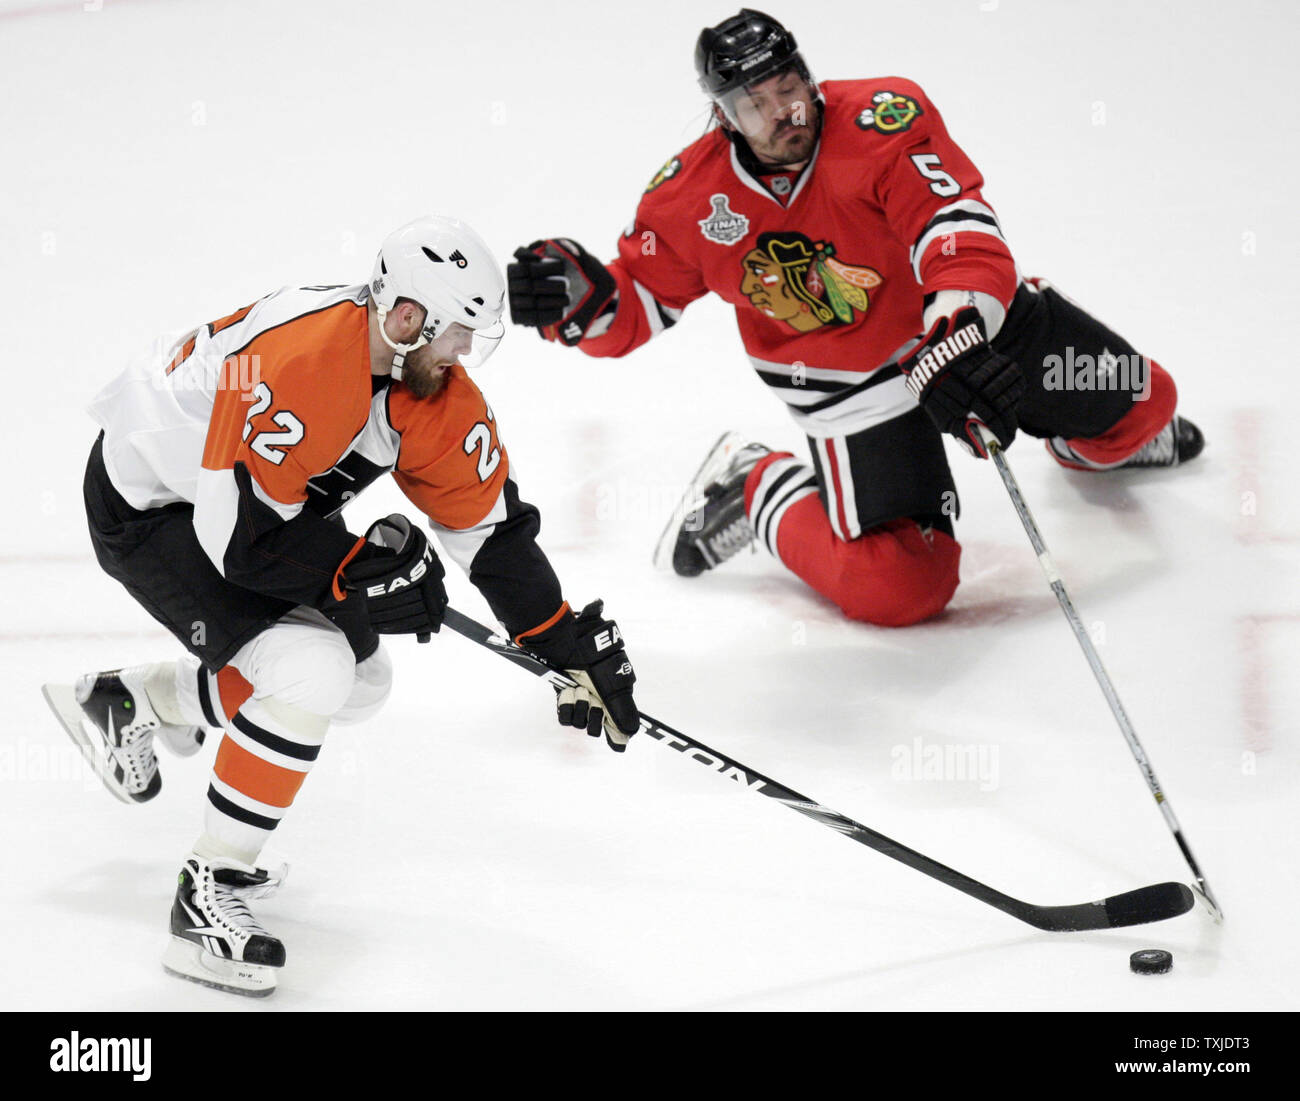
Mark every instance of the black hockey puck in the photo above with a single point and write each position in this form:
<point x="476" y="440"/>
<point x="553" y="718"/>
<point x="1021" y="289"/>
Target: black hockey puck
<point x="1151" y="961"/>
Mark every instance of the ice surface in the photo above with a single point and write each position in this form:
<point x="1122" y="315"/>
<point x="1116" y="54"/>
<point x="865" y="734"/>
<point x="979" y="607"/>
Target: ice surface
<point x="165" y="163"/>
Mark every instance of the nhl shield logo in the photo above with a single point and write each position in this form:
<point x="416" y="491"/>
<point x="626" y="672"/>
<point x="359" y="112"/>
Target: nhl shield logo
<point x="722" y="226"/>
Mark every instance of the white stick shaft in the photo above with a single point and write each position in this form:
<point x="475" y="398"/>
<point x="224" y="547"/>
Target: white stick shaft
<point x="1094" y="661"/>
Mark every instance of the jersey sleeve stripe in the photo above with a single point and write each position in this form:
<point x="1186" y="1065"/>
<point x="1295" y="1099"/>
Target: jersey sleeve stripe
<point x="336" y="586"/>
<point x="963" y="216"/>
<point x="654" y="312"/>
<point x="543" y="627"/>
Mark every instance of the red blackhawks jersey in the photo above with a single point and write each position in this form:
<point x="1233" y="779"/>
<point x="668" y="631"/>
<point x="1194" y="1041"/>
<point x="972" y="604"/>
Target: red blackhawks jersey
<point x="828" y="268"/>
<point x="268" y="421"/>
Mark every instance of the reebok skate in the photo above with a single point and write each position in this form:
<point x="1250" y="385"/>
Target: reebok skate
<point x="216" y="940"/>
<point x="109" y="717"/>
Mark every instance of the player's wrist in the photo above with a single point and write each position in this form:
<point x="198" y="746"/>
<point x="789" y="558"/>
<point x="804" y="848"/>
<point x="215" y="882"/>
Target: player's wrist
<point x="554" y="642"/>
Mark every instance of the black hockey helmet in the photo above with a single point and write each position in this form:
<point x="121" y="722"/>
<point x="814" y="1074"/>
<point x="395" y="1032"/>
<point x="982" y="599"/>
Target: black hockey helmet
<point x="743" y="50"/>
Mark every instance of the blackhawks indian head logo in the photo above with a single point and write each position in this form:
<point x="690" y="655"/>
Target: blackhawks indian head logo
<point x="794" y="279"/>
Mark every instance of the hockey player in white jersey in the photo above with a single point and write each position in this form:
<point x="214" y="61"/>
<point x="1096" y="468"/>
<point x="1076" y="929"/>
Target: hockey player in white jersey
<point x="214" y="495"/>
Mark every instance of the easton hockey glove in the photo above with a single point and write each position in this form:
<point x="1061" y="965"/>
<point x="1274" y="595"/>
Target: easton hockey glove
<point x="962" y="382"/>
<point x="559" y="287"/>
<point x="401" y="578"/>
<point x="589" y="649"/>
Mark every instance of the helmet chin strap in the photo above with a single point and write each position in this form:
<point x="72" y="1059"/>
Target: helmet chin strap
<point x="400" y="351"/>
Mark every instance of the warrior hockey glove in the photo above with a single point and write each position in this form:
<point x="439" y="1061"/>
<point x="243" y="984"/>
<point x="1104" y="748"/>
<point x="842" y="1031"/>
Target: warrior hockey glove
<point x="589" y="648"/>
<point x="401" y="578"/>
<point x="558" y="286"/>
<point x="962" y="382"/>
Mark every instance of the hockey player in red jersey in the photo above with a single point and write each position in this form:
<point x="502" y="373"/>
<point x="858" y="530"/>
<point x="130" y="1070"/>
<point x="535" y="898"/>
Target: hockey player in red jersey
<point x="876" y="296"/>
<point x="214" y="495"/>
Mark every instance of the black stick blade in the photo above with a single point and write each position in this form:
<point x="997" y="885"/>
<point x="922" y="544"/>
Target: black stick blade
<point x="1155" y="903"/>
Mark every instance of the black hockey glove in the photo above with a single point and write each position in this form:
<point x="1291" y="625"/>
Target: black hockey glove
<point x="401" y="577"/>
<point x="962" y="382"/>
<point x="559" y="287"/>
<point x="589" y="649"/>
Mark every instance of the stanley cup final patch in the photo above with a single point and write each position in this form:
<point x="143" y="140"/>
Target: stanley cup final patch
<point x="722" y="226"/>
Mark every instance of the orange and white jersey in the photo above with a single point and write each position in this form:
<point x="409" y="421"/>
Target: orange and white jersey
<point x="269" y="420"/>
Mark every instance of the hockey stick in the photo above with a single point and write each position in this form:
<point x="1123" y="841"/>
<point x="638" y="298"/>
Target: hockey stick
<point x="1202" y="888"/>
<point x="1147" y="904"/>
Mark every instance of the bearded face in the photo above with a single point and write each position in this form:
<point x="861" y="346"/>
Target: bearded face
<point x="425" y="373"/>
<point x="777" y="118"/>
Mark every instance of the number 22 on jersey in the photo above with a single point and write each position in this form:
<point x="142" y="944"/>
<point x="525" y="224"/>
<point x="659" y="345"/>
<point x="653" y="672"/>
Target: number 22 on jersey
<point x="271" y="445"/>
<point x="480" y="440"/>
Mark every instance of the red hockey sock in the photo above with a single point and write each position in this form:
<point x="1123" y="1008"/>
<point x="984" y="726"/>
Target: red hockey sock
<point x="1138" y="427"/>
<point x="893" y="575"/>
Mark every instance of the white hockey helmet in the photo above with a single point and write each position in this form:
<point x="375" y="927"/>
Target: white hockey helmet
<point x="445" y="267"/>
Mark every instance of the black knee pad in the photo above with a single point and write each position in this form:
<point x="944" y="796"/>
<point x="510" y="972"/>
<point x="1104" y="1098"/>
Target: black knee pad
<point x="1082" y="377"/>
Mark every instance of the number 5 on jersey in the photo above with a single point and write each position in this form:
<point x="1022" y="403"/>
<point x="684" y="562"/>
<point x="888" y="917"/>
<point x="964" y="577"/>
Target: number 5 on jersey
<point x="271" y="445"/>
<point x="943" y="185"/>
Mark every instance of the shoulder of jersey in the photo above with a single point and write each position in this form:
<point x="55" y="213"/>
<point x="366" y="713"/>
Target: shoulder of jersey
<point x="290" y="305"/>
<point x="430" y="426"/>
<point x="312" y="348"/>
<point x="311" y="328"/>
<point x="875" y="109"/>
<point x="698" y="159"/>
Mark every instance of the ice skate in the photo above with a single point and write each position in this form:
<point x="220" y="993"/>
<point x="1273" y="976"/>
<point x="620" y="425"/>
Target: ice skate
<point x="109" y="716"/>
<point x="1178" y="442"/>
<point x="215" y="939"/>
<point x="709" y="524"/>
